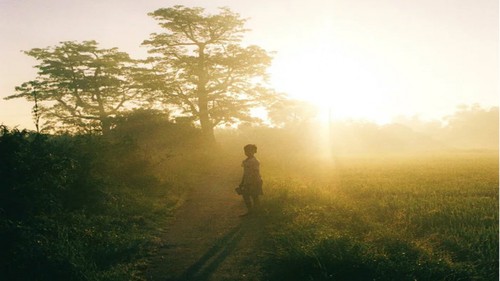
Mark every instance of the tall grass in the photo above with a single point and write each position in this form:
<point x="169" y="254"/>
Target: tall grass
<point x="431" y="217"/>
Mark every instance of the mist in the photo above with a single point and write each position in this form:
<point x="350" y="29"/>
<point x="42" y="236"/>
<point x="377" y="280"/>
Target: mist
<point x="469" y="128"/>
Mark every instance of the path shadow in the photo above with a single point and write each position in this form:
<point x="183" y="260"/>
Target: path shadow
<point x="208" y="263"/>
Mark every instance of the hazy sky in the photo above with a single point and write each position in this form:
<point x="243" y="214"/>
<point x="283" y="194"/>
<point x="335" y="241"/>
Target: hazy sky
<point x="358" y="58"/>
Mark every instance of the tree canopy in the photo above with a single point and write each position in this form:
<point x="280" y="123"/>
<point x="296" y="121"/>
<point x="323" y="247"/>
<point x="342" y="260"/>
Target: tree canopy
<point x="197" y="70"/>
<point x="202" y="68"/>
<point x="81" y="86"/>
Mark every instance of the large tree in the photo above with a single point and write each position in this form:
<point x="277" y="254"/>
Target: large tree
<point x="203" y="69"/>
<point x="80" y="85"/>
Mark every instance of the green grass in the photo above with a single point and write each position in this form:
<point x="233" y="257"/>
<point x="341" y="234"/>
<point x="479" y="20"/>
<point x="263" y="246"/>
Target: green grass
<point x="385" y="218"/>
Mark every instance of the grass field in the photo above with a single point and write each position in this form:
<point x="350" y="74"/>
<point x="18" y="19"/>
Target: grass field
<point x="420" y="217"/>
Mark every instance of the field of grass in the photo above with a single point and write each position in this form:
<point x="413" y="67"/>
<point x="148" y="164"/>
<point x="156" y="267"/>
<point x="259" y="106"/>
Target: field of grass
<point x="425" y="217"/>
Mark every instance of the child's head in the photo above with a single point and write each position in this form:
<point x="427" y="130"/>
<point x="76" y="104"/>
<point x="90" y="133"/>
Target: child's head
<point x="250" y="149"/>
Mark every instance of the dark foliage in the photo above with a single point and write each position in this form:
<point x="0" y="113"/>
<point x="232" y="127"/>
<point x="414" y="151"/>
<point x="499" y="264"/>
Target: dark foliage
<point x="43" y="175"/>
<point x="79" y="207"/>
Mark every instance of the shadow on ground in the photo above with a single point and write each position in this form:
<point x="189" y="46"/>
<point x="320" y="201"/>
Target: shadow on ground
<point x="208" y="263"/>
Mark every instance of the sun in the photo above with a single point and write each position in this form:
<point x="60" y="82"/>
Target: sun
<point x="342" y="86"/>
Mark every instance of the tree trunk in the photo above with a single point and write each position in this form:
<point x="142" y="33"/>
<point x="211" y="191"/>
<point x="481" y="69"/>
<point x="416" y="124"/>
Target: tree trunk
<point x="103" y="117"/>
<point x="36" y="113"/>
<point x="207" y="128"/>
<point x="105" y="126"/>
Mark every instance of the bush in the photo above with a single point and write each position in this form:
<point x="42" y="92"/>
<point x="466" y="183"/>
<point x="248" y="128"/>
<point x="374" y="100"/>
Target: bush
<point x="77" y="207"/>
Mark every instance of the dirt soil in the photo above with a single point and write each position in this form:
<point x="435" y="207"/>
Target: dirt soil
<point x="207" y="239"/>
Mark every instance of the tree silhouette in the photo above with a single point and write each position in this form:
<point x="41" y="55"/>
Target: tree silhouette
<point x="82" y="85"/>
<point x="202" y="69"/>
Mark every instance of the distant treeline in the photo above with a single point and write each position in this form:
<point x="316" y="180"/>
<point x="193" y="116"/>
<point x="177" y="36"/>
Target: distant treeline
<point x="470" y="127"/>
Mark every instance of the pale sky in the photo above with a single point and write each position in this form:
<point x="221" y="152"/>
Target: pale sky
<point x="357" y="58"/>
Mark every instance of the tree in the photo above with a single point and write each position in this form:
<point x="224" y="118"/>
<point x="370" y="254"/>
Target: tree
<point x="83" y="86"/>
<point x="473" y="127"/>
<point x="204" y="71"/>
<point x="292" y="113"/>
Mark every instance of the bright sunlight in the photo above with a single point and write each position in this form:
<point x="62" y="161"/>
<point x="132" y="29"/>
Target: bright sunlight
<point x="340" y="84"/>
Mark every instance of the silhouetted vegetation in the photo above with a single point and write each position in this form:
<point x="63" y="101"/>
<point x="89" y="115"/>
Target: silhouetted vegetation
<point x="85" y="207"/>
<point x="201" y="66"/>
<point x="198" y="69"/>
<point x="81" y="87"/>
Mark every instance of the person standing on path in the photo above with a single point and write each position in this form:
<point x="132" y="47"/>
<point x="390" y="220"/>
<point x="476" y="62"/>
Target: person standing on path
<point x="251" y="183"/>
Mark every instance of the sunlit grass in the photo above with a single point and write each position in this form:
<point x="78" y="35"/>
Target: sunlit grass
<point x="386" y="218"/>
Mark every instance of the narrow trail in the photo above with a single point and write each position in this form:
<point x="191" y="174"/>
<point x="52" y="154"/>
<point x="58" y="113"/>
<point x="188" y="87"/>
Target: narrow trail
<point x="207" y="240"/>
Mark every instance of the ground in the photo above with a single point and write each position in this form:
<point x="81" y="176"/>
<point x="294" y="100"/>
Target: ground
<point x="207" y="239"/>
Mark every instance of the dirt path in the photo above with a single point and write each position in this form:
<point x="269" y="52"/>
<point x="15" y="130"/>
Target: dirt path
<point x="207" y="240"/>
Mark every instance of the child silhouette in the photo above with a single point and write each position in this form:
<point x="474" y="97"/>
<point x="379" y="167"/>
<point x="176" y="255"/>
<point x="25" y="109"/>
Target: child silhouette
<point x="251" y="183"/>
